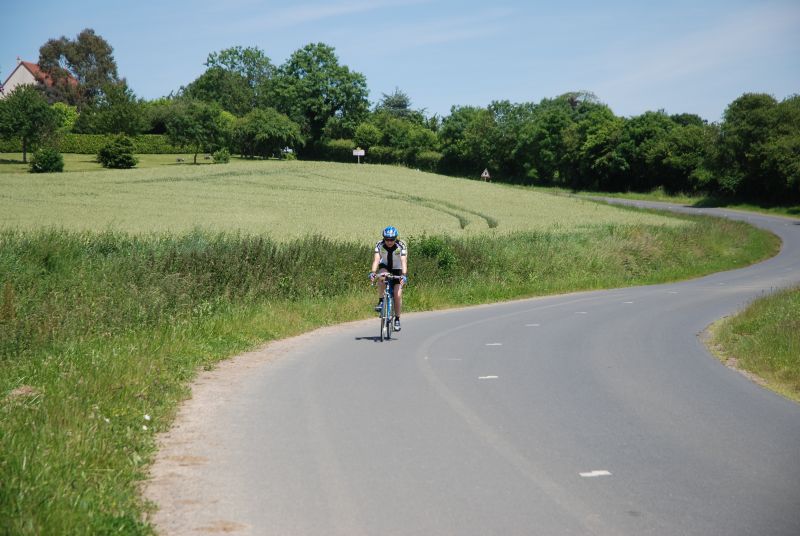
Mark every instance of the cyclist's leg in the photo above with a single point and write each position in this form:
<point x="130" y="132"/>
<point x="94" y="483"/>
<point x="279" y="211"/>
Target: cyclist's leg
<point x="381" y="282"/>
<point x="398" y="298"/>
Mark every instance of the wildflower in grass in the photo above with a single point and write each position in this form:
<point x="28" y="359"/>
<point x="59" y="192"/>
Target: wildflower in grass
<point x="147" y="417"/>
<point x="144" y="428"/>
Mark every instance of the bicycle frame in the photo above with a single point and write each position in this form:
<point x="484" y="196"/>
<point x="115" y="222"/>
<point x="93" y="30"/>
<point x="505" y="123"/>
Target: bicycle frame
<point x="387" y="310"/>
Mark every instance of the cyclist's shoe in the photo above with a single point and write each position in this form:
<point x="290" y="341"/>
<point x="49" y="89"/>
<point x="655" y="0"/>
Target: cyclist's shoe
<point x="397" y="324"/>
<point x="379" y="306"/>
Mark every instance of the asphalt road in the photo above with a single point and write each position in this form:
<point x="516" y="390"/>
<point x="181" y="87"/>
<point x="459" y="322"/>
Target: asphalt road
<point x="589" y="413"/>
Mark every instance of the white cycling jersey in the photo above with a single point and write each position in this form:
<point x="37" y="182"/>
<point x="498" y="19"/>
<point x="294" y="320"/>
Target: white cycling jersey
<point x="390" y="256"/>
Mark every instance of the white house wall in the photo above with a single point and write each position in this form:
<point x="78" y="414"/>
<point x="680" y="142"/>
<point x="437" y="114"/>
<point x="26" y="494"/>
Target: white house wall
<point x="19" y="77"/>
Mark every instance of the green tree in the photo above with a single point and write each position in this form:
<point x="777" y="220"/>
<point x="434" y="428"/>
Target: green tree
<point x="398" y="104"/>
<point x="115" y="111"/>
<point x="250" y="63"/>
<point x="591" y="156"/>
<point x="87" y="58"/>
<point x="465" y="138"/>
<point x="312" y="87"/>
<point x="25" y="114"/>
<point x="67" y="115"/>
<point x="265" y="132"/>
<point x="683" y="159"/>
<point x="196" y="125"/>
<point x="540" y="149"/>
<point x="746" y="125"/>
<point x="227" y="88"/>
<point x="367" y="135"/>
<point x="640" y="136"/>
<point x="779" y="154"/>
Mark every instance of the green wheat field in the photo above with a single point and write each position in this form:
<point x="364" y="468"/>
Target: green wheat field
<point x="286" y="200"/>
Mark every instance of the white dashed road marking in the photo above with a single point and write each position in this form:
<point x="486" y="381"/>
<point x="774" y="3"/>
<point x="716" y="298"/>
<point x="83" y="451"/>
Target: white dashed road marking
<point x="487" y="377"/>
<point x="532" y="325"/>
<point x="593" y="474"/>
<point x="494" y="344"/>
<point x="581" y="313"/>
<point x="627" y="302"/>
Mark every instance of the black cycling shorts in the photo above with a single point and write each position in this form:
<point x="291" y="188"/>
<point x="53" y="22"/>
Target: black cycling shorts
<point x="383" y="267"/>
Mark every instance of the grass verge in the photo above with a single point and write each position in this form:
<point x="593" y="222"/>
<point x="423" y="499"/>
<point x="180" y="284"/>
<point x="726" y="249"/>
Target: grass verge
<point x="764" y="340"/>
<point x="102" y="333"/>
<point x="699" y="201"/>
<point x="12" y="162"/>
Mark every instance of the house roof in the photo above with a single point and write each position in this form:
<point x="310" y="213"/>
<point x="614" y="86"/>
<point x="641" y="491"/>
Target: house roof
<point x="39" y="74"/>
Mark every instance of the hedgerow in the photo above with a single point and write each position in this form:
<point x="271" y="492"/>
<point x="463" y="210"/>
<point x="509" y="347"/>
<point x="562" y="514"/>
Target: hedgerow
<point x="92" y="143"/>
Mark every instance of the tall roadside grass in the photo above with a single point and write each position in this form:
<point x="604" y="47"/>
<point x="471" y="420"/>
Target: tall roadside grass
<point x="765" y="339"/>
<point x="101" y="333"/>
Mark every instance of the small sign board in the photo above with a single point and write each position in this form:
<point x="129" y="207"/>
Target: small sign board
<point x="359" y="152"/>
<point x="485" y="175"/>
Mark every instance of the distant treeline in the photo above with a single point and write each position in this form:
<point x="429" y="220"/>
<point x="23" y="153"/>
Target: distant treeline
<point x="319" y="109"/>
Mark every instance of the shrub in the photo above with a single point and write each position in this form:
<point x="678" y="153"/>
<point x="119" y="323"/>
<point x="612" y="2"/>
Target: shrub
<point x="223" y="156"/>
<point x="368" y="135"/>
<point x="384" y="155"/>
<point x="118" y="154"/>
<point x="428" y="160"/>
<point x="339" y="150"/>
<point x="47" y="160"/>
<point x="433" y="247"/>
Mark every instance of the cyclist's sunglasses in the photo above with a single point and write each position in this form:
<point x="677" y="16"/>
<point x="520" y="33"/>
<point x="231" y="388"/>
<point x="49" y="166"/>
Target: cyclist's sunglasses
<point x="389" y="239"/>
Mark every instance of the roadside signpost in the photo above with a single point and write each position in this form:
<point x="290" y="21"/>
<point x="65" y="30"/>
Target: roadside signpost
<point x="359" y="152"/>
<point x="485" y="175"/>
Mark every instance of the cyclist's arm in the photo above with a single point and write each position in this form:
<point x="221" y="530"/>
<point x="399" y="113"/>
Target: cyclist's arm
<point x="404" y="264"/>
<point x="376" y="260"/>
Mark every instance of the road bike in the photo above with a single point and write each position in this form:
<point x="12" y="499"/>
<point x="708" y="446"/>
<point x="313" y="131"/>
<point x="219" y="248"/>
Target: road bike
<point x="387" y="305"/>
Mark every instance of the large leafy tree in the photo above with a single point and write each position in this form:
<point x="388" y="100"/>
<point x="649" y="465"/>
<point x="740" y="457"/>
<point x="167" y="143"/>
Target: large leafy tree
<point x="593" y="157"/>
<point x="227" y="88"/>
<point x="683" y="158"/>
<point x="265" y="132"/>
<point x="640" y="136"/>
<point x="115" y="111"/>
<point x="468" y="137"/>
<point x="758" y="147"/>
<point x="25" y="114"/>
<point x="312" y="88"/>
<point x="197" y="125"/>
<point x="236" y="78"/>
<point x="250" y="63"/>
<point x="87" y="58"/>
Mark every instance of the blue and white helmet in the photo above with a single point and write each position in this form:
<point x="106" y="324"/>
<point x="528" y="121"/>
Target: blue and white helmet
<point x="390" y="232"/>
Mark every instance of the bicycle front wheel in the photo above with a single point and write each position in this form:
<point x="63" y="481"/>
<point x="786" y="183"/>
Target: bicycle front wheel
<point x="384" y="316"/>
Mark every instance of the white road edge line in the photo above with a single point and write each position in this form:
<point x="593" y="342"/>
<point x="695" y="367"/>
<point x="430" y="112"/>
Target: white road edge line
<point x="593" y="474"/>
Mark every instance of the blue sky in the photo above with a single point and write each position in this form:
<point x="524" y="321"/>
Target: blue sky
<point x="682" y="56"/>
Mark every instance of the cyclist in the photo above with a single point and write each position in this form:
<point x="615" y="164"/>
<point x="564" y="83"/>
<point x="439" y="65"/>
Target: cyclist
<point x="391" y="256"/>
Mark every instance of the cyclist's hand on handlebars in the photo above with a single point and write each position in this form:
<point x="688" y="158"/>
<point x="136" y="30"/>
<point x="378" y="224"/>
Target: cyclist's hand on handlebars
<point x="372" y="276"/>
<point x="405" y="279"/>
